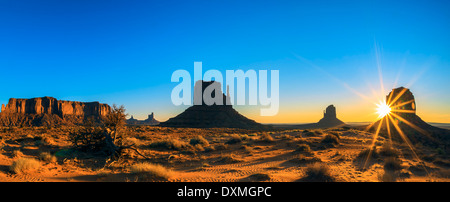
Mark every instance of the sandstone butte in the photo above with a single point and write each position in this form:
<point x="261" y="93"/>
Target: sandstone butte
<point x="50" y="105"/>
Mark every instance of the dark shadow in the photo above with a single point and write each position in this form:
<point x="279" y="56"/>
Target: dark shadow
<point x="258" y="177"/>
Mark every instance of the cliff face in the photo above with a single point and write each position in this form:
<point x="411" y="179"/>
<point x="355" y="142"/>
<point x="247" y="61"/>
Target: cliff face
<point x="49" y="105"/>
<point x="70" y="111"/>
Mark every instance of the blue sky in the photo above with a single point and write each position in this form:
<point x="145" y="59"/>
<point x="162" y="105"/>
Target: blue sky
<point x="124" y="52"/>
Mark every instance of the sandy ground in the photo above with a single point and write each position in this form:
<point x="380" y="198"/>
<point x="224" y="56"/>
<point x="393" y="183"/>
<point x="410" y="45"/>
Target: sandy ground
<point x="228" y="156"/>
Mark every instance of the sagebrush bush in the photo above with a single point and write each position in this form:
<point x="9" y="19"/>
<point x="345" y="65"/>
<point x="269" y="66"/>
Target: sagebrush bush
<point x="88" y="138"/>
<point x="363" y="154"/>
<point x="388" y="150"/>
<point x="199" y="140"/>
<point x="151" y="172"/>
<point x="392" y="164"/>
<point x="234" y="138"/>
<point x="303" y="148"/>
<point x="265" y="137"/>
<point x="47" y="157"/>
<point x="171" y="144"/>
<point x="319" y="172"/>
<point x="330" y="140"/>
<point x="24" y="165"/>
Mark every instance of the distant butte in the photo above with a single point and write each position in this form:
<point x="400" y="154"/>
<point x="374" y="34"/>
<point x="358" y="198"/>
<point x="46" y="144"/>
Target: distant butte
<point x="151" y="121"/>
<point x="403" y="114"/>
<point x="330" y="119"/>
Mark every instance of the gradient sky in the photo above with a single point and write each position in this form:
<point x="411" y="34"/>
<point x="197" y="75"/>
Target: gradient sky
<point x="327" y="52"/>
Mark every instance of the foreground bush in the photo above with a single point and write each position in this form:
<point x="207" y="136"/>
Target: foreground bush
<point x="318" y="172"/>
<point x="24" y="165"/>
<point x="199" y="140"/>
<point x="151" y="172"/>
<point x="330" y="140"/>
<point x="171" y="144"/>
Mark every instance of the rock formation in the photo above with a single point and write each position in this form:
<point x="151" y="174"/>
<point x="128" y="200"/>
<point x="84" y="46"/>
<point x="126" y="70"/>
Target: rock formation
<point x="49" y="108"/>
<point x="402" y="103"/>
<point x="403" y="114"/>
<point x="149" y="121"/>
<point x="329" y="119"/>
<point x="211" y="116"/>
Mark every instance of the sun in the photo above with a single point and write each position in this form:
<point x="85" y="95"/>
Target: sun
<point x="383" y="109"/>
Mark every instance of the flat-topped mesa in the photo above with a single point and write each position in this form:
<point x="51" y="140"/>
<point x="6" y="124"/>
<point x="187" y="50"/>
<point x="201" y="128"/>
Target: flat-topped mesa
<point x="50" y="105"/>
<point x="50" y="111"/>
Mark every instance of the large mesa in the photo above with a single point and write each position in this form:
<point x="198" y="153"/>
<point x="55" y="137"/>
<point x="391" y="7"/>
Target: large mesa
<point x="36" y="111"/>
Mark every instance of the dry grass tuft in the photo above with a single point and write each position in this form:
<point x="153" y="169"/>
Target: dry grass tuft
<point x="265" y="137"/>
<point x="318" y="172"/>
<point x="303" y="148"/>
<point x="17" y="153"/>
<point x="234" y="138"/>
<point x="151" y="172"/>
<point x="171" y="144"/>
<point x="47" y="157"/>
<point x="330" y="140"/>
<point x="199" y="140"/>
<point x="24" y="165"/>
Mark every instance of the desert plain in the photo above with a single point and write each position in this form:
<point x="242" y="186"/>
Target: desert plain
<point x="47" y="154"/>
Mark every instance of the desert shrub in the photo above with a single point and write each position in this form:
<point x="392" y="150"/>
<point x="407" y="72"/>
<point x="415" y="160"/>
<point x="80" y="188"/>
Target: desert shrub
<point x="286" y="137"/>
<point x="313" y="133"/>
<point x="171" y="144"/>
<point x="199" y="140"/>
<point x="114" y="122"/>
<point x="221" y="146"/>
<point x="308" y="133"/>
<point x="303" y="148"/>
<point x="151" y="172"/>
<point x="24" y="165"/>
<point x="47" y="157"/>
<point x="234" y="138"/>
<point x="330" y="140"/>
<point x="88" y="138"/>
<point x="335" y="134"/>
<point x="387" y="176"/>
<point x="388" y="150"/>
<point x="108" y="138"/>
<point x="265" y="137"/>
<point x="228" y="158"/>
<point x="132" y="141"/>
<point x="318" y="172"/>
<point x="363" y="154"/>
<point x="392" y="164"/>
<point x="17" y="153"/>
